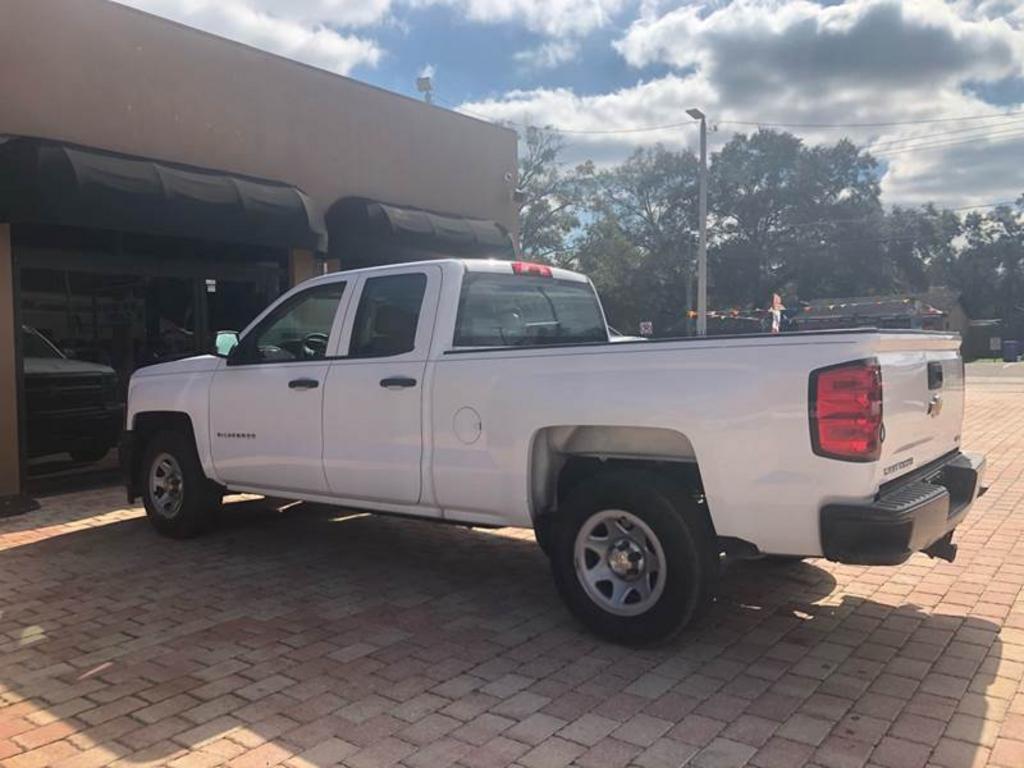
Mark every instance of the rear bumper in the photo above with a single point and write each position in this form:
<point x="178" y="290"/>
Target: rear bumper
<point x="913" y="514"/>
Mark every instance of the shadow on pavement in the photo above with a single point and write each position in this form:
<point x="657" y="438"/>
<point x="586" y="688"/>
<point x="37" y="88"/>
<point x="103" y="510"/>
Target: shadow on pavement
<point x="287" y="629"/>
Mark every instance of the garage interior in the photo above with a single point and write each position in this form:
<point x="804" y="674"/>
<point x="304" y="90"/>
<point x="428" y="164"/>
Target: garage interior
<point x="121" y="262"/>
<point x="159" y="184"/>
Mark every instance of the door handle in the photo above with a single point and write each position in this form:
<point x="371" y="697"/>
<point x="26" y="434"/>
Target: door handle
<point x="303" y="384"/>
<point x="397" y="382"/>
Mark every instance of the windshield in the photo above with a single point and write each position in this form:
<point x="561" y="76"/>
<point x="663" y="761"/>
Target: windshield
<point x="498" y="310"/>
<point x="33" y="344"/>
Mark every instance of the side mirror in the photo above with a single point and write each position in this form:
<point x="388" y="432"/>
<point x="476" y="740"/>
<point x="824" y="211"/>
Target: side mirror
<point x="226" y="341"/>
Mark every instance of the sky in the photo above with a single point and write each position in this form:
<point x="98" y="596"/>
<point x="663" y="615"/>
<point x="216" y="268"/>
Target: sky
<point x="935" y="88"/>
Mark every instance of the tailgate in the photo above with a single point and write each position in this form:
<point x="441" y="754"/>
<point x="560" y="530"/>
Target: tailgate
<point x="922" y="401"/>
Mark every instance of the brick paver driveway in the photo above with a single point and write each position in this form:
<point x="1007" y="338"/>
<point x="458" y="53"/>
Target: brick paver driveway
<point x="307" y="637"/>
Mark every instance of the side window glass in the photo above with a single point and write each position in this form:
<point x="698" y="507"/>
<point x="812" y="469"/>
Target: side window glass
<point x="388" y="313"/>
<point x="298" y="329"/>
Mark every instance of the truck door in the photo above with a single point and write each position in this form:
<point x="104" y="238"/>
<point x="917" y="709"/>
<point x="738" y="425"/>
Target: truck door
<point x="373" y="399"/>
<point x="266" y="403"/>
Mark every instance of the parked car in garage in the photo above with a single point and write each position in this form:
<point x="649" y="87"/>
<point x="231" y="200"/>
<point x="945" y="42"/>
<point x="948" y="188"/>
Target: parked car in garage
<point x="72" y="406"/>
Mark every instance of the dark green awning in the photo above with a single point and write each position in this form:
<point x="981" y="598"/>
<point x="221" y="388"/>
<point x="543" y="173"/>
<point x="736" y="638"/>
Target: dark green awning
<point x="50" y="182"/>
<point x="365" y="232"/>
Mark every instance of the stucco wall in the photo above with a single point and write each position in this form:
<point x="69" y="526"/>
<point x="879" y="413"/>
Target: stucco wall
<point x="97" y="73"/>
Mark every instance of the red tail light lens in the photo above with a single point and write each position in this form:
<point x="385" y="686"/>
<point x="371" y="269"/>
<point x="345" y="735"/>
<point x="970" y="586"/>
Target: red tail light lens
<point x="528" y="268"/>
<point x="846" y="411"/>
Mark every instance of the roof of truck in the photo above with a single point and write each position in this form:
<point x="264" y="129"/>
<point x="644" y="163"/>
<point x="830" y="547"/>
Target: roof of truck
<point x="470" y="265"/>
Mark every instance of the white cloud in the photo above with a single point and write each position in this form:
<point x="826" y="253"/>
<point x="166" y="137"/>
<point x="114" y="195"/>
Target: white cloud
<point x="792" y="61"/>
<point x="548" y="55"/>
<point x="973" y="173"/>
<point x="253" y="23"/>
<point x="551" y="17"/>
<point x="658" y="102"/>
<point x="345" y="13"/>
<point x="748" y="46"/>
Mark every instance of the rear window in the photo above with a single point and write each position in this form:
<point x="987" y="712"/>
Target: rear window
<point x="524" y="310"/>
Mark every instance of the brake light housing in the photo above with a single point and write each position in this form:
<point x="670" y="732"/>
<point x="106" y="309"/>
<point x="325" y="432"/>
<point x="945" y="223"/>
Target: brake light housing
<point x="529" y="268"/>
<point x="845" y="406"/>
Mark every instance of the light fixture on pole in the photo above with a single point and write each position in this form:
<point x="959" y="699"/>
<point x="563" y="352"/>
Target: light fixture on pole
<point x="425" y="85"/>
<point x="702" y="247"/>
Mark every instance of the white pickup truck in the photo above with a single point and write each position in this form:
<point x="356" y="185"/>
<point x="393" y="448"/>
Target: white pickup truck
<point x="489" y="393"/>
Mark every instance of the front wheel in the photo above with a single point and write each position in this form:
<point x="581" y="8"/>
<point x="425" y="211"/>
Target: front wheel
<point x="179" y="499"/>
<point x="633" y="556"/>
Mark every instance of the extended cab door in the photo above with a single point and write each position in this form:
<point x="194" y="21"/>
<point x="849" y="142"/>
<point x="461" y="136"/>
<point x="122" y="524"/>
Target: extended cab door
<point x="266" y="403"/>
<point x="373" y="400"/>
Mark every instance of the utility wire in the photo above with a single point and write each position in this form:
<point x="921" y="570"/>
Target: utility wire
<point x="894" y="143"/>
<point x="997" y="136"/>
<point x="581" y="131"/>
<point x="922" y="121"/>
<point x="758" y="123"/>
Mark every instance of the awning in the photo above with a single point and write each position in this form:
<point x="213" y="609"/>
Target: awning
<point x="365" y="232"/>
<point x="49" y="182"/>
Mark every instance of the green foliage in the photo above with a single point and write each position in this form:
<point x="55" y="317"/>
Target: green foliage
<point x="548" y="199"/>
<point x="805" y="221"/>
<point x="990" y="267"/>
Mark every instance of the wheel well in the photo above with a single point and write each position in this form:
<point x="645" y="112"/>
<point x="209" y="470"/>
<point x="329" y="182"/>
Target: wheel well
<point x="564" y="457"/>
<point x="144" y="427"/>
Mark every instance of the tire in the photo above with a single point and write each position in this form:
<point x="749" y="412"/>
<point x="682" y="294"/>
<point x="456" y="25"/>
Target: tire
<point x="781" y="560"/>
<point x="542" y="533"/>
<point x="180" y="501"/>
<point x="643" y="518"/>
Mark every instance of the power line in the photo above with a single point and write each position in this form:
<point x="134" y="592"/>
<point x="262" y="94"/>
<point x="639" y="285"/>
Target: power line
<point x="882" y="149"/>
<point x="994" y="136"/>
<point x="880" y="145"/>
<point x="922" y="121"/>
<point x="758" y="123"/>
<point x="556" y="129"/>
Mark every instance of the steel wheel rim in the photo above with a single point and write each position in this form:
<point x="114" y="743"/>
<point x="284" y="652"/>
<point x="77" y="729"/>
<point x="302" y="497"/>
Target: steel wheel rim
<point x="166" y="485"/>
<point x="620" y="562"/>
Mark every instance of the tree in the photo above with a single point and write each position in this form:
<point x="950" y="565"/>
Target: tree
<point x="643" y="232"/>
<point x="547" y="199"/>
<point x="787" y="213"/>
<point x="989" y="270"/>
<point x="920" y="246"/>
<point x="784" y="216"/>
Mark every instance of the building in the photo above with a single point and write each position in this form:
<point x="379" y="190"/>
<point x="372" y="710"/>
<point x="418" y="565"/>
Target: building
<point x="947" y="301"/>
<point x="158" y="184"/>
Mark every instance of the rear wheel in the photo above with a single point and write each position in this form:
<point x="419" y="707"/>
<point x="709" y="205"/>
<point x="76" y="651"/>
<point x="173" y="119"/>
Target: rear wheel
<point x="633" y="556"/>
<point x="179" y="499"/>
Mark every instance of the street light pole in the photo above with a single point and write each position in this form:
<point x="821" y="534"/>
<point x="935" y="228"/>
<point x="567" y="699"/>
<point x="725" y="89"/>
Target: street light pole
<point x="702" y="247"/>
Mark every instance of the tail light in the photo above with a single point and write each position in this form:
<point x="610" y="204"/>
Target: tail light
<point x="528" y="268"/>
<point x="846" y="411"/>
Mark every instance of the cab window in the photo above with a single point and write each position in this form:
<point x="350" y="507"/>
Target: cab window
<point x="298" y="329"/>
<point x="498" y="310"/>
<point x="388" y="314"/>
